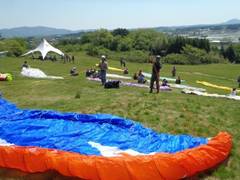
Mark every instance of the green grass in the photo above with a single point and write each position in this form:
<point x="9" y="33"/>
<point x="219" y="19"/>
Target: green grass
<point x="167" y="112"/>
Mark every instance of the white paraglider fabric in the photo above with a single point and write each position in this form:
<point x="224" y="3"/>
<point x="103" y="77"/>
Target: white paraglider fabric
<point x="4" y="143"/>
<point x="37" y="73"/>
<point x="210" y="95"/>
<point x="111" y="151"/>
<point x="191" y="88"/>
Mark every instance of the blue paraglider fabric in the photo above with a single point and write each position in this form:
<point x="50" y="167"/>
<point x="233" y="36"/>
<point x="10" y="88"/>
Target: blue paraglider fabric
<point x="72" y="132"/>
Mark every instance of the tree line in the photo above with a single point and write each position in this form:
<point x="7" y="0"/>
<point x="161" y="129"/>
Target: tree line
<point x="138" y="45"/>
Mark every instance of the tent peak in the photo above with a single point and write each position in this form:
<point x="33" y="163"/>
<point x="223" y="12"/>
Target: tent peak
<point x="44" y="47"/>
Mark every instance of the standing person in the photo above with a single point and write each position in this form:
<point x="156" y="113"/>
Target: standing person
<point x="122" y="62"/>
<point x="155" y="74"/>
<point x="73" y="59"/>
<point x="103" y="69"/>
<point x="174" y="71"/>
<point x="238" y="80"/>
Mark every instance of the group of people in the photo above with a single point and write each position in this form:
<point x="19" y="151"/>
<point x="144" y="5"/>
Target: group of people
<point x="155" y="78"/>
<point x="67" y="58"/>
<point x="103" y="66"/>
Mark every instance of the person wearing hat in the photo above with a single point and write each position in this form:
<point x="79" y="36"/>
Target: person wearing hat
<point x="155" y="74"/>
<point x="103" y="69"/>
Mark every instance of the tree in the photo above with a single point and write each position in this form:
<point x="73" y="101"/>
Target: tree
<point x="125" y="44"/>
<point x="230" y="54"/>
<point x="143" y="38"/>
<point x="159" y="45"/>
<point x="120" y="32"/>
<point x="236" y="48"/>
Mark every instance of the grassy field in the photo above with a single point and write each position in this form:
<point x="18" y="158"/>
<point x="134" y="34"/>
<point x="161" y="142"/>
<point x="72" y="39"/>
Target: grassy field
<point x="167" y="112"/>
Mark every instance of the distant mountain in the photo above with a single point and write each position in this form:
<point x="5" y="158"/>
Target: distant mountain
<point x="232" y="21"/>
<point x="233" y="24"/>
<point x="38" y="31"/>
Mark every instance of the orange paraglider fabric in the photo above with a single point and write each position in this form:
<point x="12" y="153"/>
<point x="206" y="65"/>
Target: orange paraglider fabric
<point x="180" y="165"/>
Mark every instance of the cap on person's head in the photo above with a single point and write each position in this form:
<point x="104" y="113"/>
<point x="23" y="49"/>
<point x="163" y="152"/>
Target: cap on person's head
<point x="158" y="56"/>
<point x="74" y="68"/>
<point x="103" y="57"/>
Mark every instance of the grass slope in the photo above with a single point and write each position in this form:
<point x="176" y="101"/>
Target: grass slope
<point x="167" y="112"/>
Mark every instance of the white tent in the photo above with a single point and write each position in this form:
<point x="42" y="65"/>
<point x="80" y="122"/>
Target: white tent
<point x="44" y="47"/>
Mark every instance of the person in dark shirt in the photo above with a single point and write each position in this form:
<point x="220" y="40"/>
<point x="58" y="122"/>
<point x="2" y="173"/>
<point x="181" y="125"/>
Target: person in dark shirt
<point x="25" y="65"/>
<point x="122" y="62"/>
<point x="178" y="80"/>
<point x="165" y="82"/>
<point x="155" y="74"/>
<point x="174" y="71"/>
<point x="135" y="76"/>
<point x="125" y="71"/>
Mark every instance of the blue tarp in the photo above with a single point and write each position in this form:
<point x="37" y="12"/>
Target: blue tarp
<point x="72" y="132"/>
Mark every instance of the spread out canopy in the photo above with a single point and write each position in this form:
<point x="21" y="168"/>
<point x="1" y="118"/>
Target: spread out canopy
<point x="44" y="47"/>
<point x="101" y="146"/>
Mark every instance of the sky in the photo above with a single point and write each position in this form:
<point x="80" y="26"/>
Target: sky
<point x="110" y="14"/>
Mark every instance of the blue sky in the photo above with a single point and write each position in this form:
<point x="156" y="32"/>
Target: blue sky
<point x="92" y="14"/>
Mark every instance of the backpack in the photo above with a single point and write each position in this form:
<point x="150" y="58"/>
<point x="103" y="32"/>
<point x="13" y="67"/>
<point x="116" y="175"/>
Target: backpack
<point x="112" y="84"/>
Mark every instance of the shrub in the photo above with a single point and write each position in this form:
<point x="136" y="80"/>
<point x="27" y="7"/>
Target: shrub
<point x="97" y="51"/>
<point x="191" y="55"/>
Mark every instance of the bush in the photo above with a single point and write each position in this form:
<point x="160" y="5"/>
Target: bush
<point x="131" y="56"/>
<point x="191" y="55"/>
<point x="15" y="46"/>
<point x="97" y="51"/>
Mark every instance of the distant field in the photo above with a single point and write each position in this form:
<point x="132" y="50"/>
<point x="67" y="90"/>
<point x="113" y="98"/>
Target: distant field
<point x="167" y="112"/>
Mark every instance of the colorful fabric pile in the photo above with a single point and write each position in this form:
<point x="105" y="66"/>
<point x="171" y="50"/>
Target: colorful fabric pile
<point x="6" y="77"/>
<point x="101" y="146"/>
